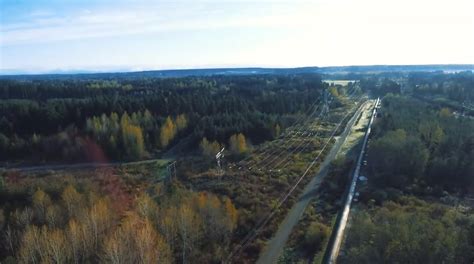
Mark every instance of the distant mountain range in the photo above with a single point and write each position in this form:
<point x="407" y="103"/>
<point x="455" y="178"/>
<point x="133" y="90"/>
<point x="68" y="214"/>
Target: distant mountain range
<point x="243" y="71"/>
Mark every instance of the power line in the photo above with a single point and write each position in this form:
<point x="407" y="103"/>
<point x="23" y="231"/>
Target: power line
<point x="284" y="149"/>
<point x="250" y="233"/>
<point x="302" y="144"/>
<point x="316" y="105"/>
<point x="304" y="127"/>
<point x="291" y="135"/>
<point x="253" y="233"/>
<point x="325" y="111"/>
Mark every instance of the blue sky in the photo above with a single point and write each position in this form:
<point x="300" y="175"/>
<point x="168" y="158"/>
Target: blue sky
<point x="40" y="36"/>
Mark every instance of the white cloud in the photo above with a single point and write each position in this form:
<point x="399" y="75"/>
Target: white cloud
<point x="120" y="22"/>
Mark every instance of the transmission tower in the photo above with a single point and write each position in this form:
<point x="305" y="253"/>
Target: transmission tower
<point x="219" y="157"/>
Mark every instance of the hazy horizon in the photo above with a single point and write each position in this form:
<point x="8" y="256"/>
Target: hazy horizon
<point x="9" y="72"/>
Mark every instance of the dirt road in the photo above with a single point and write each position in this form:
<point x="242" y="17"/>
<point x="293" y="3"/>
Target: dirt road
<point x="90" y="165"/>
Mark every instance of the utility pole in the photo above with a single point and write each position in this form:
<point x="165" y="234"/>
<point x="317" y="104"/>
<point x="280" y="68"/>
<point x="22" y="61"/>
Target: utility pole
<point x="171" y="169"/>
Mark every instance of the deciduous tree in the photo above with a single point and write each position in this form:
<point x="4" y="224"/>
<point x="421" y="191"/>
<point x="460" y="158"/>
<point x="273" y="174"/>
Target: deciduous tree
<point x="41" y="201"/>
<point x="72" y="200"/>
<point x="209" y="148"/>
<point x="238" y="144"/>
<point x="181" y="122"/>
<point x="167" y="132"/>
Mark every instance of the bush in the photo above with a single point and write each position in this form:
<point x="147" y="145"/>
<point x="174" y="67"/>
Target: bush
<point x="379" y="196"/>
<point x="314" y="238"/>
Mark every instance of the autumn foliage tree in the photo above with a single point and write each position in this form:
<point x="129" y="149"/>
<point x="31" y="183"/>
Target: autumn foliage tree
<point x="132" y="137"/>
<point x="167" y="132"/>
<point x="44" y="245"/>
<point x="214" y="211"/>
<point x="181" y="122"/>
<point x="41" y="201"/>
<point x="69" y="230"/>
<point x="170" y="128"/>
<point x="72" y="200"/>
<point x="124" y="136"/>
<point x="209" y="148"/>
<point x="238" y="143"/>
<point x="188" y="227"/>
<point x="136" y="241"/>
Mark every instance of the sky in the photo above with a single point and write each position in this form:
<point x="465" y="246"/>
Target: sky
<point x="39" y="36"/>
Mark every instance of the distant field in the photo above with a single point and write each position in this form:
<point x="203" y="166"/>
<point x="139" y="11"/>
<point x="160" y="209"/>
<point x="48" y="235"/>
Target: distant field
<point x="339" y="82"/>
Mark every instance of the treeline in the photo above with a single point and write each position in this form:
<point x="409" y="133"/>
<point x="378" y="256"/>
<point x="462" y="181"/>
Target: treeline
<point x="103" y="138"/>
<point x="237" y="145"/>
<point x="456" y="87"/>
<point x="417" y="147"/>
<point x="41" y="114"/>
<point x="82" y="226"/>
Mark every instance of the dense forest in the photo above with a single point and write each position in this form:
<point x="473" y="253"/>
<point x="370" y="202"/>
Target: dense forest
<point x="421" y="174"/>
<point x="68" y="120"/>
<point x="410" y="231"/>
<point x="417" y="145"/>
<point x="456" y="87"/>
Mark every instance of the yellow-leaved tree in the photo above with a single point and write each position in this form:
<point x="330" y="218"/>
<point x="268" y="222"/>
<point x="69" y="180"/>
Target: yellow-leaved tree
<point x="238" y="143"/>
<point x="136" y="241"/>
<point x="445" y="113"/>
<point x="209" y="148"/>
<point x="181" y="122"/>
<point x="132" y="136"/>
<point x="167" y="132"/>
<point x="72" y="200"/>
<point x="41" y="201"/>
